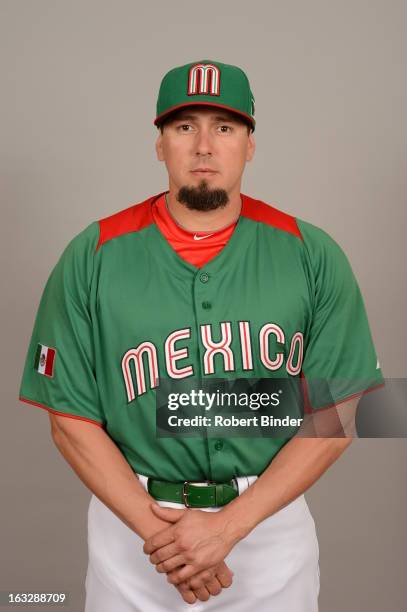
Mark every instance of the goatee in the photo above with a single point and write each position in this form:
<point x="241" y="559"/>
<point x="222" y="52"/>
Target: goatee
<point x="202" y="197"/>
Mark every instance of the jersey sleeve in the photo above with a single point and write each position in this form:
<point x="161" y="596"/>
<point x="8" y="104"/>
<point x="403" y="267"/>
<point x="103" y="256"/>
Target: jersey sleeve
<point x="59" y="371"/>
<point x="340" y="359"/>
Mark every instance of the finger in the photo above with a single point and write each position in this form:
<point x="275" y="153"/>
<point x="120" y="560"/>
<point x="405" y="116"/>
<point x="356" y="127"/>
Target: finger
<point x="201" y="578"/>
<point x="187" y="595"/>
<point x="224" y="575"/>
<point x="164" y="553"/>
<point x="202" y="594"/>
<point x="158" y="540"/>
<point x="177" y="576"/>
<point x="171" y="515"/>
<point x="170" y="564"/>
<point x="183" y="586"/>
<point x="213" y="586"/>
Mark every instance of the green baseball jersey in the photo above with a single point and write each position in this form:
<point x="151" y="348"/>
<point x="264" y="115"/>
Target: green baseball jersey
<point x="122" y="310"/>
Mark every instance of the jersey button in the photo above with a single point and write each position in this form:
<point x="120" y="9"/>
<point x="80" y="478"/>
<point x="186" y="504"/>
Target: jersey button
<point x="218" y="445"/>
<point x="206" y="305"/>
<point x="204" y="277"/>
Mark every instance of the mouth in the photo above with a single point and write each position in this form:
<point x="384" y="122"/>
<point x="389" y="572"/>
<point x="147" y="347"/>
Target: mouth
<point x="204" y="172"/>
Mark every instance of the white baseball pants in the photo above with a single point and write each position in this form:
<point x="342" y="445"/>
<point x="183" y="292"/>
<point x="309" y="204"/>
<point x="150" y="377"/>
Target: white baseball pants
<point x="276" y="567"/>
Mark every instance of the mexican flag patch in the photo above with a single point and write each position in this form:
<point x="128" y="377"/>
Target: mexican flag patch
<point x="44" y="360"/>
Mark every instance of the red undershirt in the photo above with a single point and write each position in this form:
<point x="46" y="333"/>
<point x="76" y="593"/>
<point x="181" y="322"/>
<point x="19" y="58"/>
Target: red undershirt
<point x="196" y="252"/>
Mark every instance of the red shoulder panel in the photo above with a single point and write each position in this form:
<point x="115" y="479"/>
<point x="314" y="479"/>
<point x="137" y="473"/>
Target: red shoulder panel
<point x="265" y="213"/>
<point x="131" y="219"/>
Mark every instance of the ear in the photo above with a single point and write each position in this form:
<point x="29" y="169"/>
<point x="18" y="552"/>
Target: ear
<point x="159" y="147"/>
<point x="251" y="147"/>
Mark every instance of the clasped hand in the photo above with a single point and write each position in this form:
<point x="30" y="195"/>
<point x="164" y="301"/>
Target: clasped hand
<point x="192" y="546"/>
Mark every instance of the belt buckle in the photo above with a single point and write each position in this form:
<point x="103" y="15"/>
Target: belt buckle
<point x="185" y="493"/>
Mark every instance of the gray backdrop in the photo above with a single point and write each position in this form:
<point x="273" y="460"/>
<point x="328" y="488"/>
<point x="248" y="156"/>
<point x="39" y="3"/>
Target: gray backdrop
<point x="79" y="81"/>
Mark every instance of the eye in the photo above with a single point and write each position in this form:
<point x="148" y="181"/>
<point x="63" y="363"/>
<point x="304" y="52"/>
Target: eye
<point x="184" y="125"/>
<point x="227" y="128"/>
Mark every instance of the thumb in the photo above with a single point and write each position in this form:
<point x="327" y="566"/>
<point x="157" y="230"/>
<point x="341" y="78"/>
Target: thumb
<point x="169" y="514"/>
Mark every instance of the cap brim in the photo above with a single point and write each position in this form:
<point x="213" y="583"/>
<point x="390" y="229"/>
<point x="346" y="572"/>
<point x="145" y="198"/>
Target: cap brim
<point x="169" y="111"/>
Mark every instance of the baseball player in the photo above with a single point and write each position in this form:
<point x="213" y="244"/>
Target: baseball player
<point x="198" y="282"/>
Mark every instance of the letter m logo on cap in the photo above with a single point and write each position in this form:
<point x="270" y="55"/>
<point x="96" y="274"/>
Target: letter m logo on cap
<point x="204" y="79"/>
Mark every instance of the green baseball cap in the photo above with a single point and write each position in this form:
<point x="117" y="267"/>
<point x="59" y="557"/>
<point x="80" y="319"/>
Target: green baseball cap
<point x="207" y="83"/>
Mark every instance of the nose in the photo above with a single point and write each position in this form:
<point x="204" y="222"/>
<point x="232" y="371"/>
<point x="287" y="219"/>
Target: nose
<point x="203" y="142"/>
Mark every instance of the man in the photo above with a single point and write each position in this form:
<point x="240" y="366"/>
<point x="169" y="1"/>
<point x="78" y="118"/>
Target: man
<point x="199" y="283"/>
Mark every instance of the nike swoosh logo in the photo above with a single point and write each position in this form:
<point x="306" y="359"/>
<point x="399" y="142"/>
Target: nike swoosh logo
<point x="201" y="237"/>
